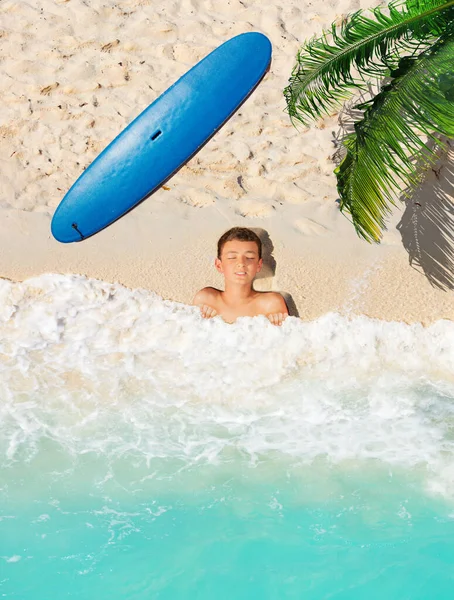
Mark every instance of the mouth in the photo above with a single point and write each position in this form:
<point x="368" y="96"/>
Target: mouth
<point x="241" y="273"/>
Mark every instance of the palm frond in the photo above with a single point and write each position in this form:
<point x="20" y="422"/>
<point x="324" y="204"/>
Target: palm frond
<point x="330" y="68"/>
<point x="418" y="103"/>
<point x="434" y="26"/>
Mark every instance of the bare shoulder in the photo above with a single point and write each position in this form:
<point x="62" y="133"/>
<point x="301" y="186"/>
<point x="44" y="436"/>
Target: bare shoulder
<point x="207" y="295"/>
<point x="272" y="302"/>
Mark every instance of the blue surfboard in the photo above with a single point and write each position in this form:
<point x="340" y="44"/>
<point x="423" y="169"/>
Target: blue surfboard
<point x="163" y="137"/>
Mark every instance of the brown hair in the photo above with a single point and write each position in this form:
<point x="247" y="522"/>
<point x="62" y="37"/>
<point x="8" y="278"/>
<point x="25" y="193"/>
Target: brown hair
<point x="242" y="234"/>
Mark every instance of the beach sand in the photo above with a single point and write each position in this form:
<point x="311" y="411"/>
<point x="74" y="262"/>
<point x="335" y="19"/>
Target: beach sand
<point x="72" y="76"/>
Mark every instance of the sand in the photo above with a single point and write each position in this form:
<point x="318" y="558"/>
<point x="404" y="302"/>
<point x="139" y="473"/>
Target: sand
<point x="73" y="75"/>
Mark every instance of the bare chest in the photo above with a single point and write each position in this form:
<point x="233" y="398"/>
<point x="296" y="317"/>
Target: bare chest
<point x="231" y="312"/>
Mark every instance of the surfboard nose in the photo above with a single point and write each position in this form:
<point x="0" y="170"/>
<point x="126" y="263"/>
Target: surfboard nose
<point x="260" y="39"/>
<point x="254" y="47"/>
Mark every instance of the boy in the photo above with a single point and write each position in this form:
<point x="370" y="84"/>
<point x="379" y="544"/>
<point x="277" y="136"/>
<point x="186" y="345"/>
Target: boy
<point x="239" y="260"/>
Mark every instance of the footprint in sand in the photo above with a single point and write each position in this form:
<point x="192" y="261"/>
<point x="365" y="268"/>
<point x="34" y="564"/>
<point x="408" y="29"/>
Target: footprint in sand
<point x="197" y="198"/>
<point x="310" y="227"/>
<point x="253" y="208"/>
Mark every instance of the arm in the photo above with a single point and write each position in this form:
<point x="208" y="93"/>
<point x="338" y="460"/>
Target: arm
<point x="205" y="300"/>
<point x="275" y="308"/>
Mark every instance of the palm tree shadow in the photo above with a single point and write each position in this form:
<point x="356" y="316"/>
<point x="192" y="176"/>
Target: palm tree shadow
<point x="427" y="225"/>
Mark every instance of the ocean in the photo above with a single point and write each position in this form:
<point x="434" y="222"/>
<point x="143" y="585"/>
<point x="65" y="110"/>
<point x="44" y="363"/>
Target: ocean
<point x="148" y="453"/>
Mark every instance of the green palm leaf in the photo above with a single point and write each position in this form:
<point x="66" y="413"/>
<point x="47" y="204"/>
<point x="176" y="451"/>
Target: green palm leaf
<point x="325" y="74"/>
<point x="381" y="153"/>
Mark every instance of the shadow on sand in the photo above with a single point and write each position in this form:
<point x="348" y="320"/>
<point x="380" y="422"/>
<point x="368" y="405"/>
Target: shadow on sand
<point x="427" y="225"/>
<point x="269" y="267"/>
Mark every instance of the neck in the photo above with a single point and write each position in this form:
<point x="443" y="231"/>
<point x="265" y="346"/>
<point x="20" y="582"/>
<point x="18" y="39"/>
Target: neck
<point x="237" y="293"/>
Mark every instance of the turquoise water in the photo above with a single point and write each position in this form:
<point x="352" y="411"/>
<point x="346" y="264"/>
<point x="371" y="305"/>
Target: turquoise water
<point x="145" y="453"/>
<point x="232" y="532"/>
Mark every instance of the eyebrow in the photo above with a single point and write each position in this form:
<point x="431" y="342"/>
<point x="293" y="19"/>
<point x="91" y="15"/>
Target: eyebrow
<point x="247" y="252"/>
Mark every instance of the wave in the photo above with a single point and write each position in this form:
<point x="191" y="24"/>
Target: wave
<point x="93" y="367"/>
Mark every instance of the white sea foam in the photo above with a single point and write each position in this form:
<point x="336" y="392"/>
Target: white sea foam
<point x="97" y="368"/>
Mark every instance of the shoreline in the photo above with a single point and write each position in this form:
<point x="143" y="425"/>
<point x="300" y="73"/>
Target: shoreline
<point x="72" y="79"/>
<point x="351" y="278"/>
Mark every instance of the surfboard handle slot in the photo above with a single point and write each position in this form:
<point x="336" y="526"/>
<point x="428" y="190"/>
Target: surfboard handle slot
<point x="155" y="135"/>
<point x="74" y="226"/>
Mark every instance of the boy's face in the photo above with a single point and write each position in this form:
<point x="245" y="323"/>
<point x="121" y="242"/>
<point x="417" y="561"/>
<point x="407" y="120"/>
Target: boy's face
<point x="239" y="261"/>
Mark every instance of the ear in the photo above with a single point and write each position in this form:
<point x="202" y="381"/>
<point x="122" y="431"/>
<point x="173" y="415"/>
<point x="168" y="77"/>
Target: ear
<point x="260" y="265"/>
<point x="218" y="265"/>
